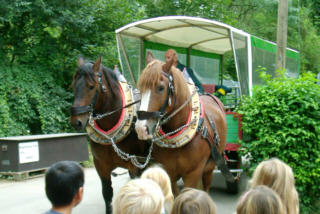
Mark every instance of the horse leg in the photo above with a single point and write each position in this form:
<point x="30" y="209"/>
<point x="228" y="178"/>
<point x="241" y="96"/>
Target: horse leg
<point x="107" y="193"/>
<point x="134" y="172"/>
<point x="174" y="186"/>
<point x="192" y="179"/>
<point x="105" y="177"/>
<point x="207" y="176"/>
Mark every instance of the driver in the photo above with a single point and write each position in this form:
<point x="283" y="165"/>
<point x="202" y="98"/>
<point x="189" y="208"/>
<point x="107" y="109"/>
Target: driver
<point x="172" y="54"/>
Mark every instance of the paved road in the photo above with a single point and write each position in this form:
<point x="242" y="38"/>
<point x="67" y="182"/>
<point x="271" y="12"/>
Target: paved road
<point x="29" y="197"/>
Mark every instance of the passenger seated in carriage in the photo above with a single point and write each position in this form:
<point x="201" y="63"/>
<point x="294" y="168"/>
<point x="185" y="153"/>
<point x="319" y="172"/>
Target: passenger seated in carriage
<point x="169" y="54"/>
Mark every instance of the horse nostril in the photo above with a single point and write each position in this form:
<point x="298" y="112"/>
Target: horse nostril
<point x="148" y="130"/>
<point x="79" y="124"/>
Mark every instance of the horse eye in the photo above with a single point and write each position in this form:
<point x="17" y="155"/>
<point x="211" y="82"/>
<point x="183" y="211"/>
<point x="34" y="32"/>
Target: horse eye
<point x="91" y="87"/>
<point x="160" y="88"/>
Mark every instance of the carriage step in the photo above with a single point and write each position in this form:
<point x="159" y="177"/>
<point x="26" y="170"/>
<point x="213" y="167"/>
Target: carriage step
<point x="19" y="176"/>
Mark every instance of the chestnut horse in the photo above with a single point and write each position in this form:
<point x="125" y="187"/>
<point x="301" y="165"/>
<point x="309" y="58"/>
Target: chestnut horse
<point x="99" y="106"/>
<point x="165" y="108"/>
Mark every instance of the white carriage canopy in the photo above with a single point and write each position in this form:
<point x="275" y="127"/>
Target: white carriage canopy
<point x="201" y="44"/>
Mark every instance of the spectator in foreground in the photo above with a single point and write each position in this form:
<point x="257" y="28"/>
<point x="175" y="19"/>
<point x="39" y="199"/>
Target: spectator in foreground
<point x="260" y="200"/>
<point x="138" y="196"/>
<point x="160" y="176"/>
<point x="64" y="186"/>
<point x="193" y="201"/>
<point x="277" y="175"/>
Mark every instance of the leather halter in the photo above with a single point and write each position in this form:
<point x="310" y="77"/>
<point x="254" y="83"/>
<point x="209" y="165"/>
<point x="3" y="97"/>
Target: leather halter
<point x="144" y="115"/>
<point x="89" y="108"/>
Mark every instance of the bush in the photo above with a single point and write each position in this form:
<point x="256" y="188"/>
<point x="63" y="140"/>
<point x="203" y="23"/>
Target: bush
<point x="32" y="103"/>
<point x="282" y="119"/>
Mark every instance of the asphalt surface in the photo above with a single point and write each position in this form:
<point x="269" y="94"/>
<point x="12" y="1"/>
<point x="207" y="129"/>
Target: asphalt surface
<point x="28" y="196"/>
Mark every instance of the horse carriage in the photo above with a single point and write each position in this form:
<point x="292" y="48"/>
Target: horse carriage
<point x="204" y="45"/>
<point x="184" y="131"/>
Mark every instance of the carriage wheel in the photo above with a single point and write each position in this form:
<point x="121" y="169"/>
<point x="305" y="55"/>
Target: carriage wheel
<point x="233" y="187"/>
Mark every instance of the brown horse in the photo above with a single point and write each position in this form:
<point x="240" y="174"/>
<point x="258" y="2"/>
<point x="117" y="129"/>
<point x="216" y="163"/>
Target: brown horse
<point x="164" y="113"/>
<point x="100" y="106"/>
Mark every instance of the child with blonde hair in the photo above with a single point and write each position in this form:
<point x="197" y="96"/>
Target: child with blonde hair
<point x="277" y="175"/>
<point x="138" y="196"/>
<point x="262" y="200"/>
<point x="161" y="177"/>
<point x="191" y="201"/>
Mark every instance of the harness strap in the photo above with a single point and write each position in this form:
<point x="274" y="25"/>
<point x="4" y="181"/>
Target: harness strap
<point x="79" y="110"/>
<point x="100" y="116"/>
<point x="84" y="109"/>
<point x="215" y="155"/>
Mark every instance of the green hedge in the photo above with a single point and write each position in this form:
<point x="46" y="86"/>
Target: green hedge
<point x="31" y="102"/>
<point x="282" y="119"/>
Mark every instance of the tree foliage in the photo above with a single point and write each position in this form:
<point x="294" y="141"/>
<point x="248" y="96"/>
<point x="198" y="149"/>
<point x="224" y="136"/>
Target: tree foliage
<point x="31" y="103"/>
<point x="50" y="34"/>
<point x="39" y="45"/>
<point x="282" y="120"/>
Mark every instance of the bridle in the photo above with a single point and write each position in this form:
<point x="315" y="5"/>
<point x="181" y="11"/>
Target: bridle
<point x="89" y="108"/>
<point x="144" y="115"/>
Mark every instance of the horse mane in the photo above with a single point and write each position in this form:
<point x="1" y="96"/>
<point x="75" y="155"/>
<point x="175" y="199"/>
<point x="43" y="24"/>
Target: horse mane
<point x="150" y="77"/>
<point x="84" y="70"/>
<point x="111" y="79"/>
<point x="87" y="71"/>
<point x="181" y="89"/>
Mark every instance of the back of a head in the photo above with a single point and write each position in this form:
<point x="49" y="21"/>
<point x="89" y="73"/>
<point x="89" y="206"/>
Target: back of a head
<point x="277" y="175"/>
<point x="142" y="196"/>
<point x="260" y="200"/>
<point x="62" y="182"/>
<point x="193" y="201"/>
<point x="161" y="177"/>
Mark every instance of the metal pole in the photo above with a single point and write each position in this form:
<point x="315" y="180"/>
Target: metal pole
<point x="282" y="31"/>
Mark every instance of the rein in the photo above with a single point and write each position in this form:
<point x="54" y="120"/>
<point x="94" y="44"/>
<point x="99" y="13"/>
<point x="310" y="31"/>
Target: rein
<point x="160" y="115"/>
<point x="90" y="108"/>
<point x="100" y="116"/>
<point x="178" y="109"/>
<point x="84" y="109"/>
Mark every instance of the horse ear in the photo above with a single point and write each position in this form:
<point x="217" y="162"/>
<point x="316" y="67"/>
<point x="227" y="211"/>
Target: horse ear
<point x="97" y="65"/>
<point x="149" y="57"/>
<point x="166" y="67"/>
<point x="80" y="61"/>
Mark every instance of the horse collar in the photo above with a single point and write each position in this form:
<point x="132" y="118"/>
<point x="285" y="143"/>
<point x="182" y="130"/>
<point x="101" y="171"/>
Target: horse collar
<point x="123" y="126"/>
<point x="184" y="134"/>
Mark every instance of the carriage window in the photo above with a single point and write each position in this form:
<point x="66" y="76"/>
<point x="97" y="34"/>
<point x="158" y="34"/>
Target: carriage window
<point x="241" y="59"/>
<point x="206" y="68"/>
<point x="129" y="58"/>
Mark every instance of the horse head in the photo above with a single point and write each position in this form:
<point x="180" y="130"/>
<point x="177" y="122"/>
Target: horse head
<point x="160" y="84"/>
<point x="86" y="86"/>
